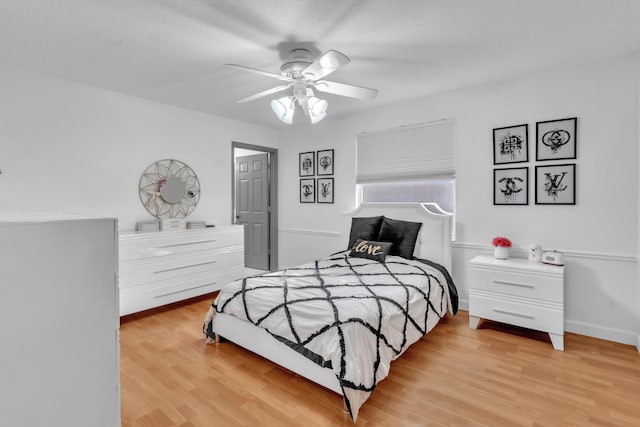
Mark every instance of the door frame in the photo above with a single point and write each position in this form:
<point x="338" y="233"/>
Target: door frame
<point x="273" y="195"/>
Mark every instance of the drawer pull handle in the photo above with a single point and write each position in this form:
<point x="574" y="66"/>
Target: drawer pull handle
<point x="183" y="266"/>
<point x="184" y="244"/>
<point x="522" y="285"/>
<point x="513" y="313"/>
<point x="184" y="290"/>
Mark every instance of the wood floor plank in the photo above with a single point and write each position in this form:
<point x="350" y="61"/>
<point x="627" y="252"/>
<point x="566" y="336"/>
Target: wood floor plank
<point x="494" y="376"/>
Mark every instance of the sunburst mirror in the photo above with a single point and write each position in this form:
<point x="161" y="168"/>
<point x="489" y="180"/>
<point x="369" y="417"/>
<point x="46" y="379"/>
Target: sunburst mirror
<point x="169" y="189"/>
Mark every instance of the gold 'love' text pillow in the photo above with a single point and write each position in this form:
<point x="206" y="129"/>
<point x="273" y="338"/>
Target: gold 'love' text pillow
<point x="369" y="249"/>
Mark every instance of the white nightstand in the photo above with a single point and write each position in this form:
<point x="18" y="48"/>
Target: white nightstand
<point x="518" y="292"/>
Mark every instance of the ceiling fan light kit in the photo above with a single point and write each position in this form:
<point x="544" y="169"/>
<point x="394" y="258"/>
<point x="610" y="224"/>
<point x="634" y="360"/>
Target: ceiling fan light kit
<point x="304" y="75"/>
<point x="284" y="108"/>
<point x="317" y="109"/>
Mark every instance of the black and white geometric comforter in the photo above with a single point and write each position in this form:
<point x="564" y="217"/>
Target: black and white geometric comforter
<point x="352" y="315"/>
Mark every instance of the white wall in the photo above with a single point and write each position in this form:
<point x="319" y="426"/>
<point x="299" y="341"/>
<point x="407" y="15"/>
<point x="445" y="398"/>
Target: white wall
<point x="599" y="234"/>
<point x="66" y="146"/>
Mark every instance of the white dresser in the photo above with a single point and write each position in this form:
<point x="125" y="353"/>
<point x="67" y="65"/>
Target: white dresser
<point x="59" y="323"/>
<point x="518" y="292"/>
<point x="157" y="268"/>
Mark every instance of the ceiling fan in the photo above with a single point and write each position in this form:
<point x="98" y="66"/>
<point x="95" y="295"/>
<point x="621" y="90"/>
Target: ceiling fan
<point x="304" y="76"/>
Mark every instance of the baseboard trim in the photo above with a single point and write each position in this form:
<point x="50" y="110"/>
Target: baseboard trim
<point x="309" y="231"/>
<point x="524" y="252"/>
<point x="595" y="331"/>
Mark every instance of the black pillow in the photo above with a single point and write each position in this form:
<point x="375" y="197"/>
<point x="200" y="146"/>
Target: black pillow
<point x="369" y="249"/>
<point x="365" y="228"/>
<point x="403" y="235"/>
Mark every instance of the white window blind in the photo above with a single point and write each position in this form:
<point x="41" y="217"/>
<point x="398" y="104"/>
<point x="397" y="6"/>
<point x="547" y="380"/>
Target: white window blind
<point x="425" y="150"/>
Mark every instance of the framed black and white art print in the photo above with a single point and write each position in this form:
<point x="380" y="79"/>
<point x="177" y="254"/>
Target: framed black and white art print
<point x="556" y="185"/>
<point x="307" y="163"/>
<point x="308" y="190"/>
<point x="325" y="162"/>
<point x="511" y="186"/>
<point x="511" y="144"/>
<point x="325" y="190"/>
<point x="556" y="139"/>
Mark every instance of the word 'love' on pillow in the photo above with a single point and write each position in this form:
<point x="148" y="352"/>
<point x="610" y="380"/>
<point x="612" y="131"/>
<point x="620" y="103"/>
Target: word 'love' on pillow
<point x="369" y="249"/>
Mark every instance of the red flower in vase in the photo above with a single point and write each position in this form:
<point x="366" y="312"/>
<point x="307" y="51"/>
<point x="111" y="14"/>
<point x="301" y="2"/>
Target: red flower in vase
<point x="501" y="241"/>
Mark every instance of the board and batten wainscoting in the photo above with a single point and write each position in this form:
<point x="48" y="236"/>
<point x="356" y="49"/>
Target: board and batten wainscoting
<point x="297" y="245"/>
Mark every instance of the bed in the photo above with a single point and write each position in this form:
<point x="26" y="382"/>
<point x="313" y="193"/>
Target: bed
<point x="341" y="320"/>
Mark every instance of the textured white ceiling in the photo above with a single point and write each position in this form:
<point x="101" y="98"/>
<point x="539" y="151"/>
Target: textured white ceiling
<point x="173" y="51"/>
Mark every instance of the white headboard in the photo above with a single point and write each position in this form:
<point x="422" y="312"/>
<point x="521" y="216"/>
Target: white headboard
<point x="434" y="241"/>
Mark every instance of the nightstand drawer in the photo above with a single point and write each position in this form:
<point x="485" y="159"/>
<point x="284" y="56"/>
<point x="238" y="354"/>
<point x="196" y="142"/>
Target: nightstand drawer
<point x="526" y="285"/>
<point x="542" y="317"/>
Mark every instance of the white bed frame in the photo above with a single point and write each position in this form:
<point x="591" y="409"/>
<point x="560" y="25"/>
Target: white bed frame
<point x="434" y="243"/>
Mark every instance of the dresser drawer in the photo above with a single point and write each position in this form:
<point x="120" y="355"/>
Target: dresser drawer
<point x="163" y="292"/>
<point x="137" y="246"/>
<point x="542" y="317"/>
<point x="146" y="271"/>
<point x="522" y="284"/>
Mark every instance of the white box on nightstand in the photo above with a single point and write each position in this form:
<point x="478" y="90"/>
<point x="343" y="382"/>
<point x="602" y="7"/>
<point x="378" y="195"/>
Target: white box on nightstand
<point x="518" y="292"/>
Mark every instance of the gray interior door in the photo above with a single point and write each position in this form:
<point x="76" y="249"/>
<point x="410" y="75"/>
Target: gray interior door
<point x="252" y="208"/>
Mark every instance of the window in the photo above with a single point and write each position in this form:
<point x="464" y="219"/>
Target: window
<point x="440" y="191"/>
<point x="413" y="163"/>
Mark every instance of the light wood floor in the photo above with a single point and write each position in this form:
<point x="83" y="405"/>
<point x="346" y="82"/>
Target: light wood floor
<point x="455" y="376"/>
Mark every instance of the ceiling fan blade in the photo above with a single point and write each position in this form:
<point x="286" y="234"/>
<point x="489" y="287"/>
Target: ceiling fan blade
<point x="256" y="71"/>
<point x="264" y="93"/>
<point x="325" y="65"/>
<point x="342" y="89"/>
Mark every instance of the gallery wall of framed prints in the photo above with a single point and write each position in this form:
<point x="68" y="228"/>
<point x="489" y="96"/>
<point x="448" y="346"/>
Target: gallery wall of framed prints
<point x="321" y="189"/>
<point x="554" y="180"/>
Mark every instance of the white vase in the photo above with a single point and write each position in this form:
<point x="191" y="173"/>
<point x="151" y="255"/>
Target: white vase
<point x="501" y="252"/>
